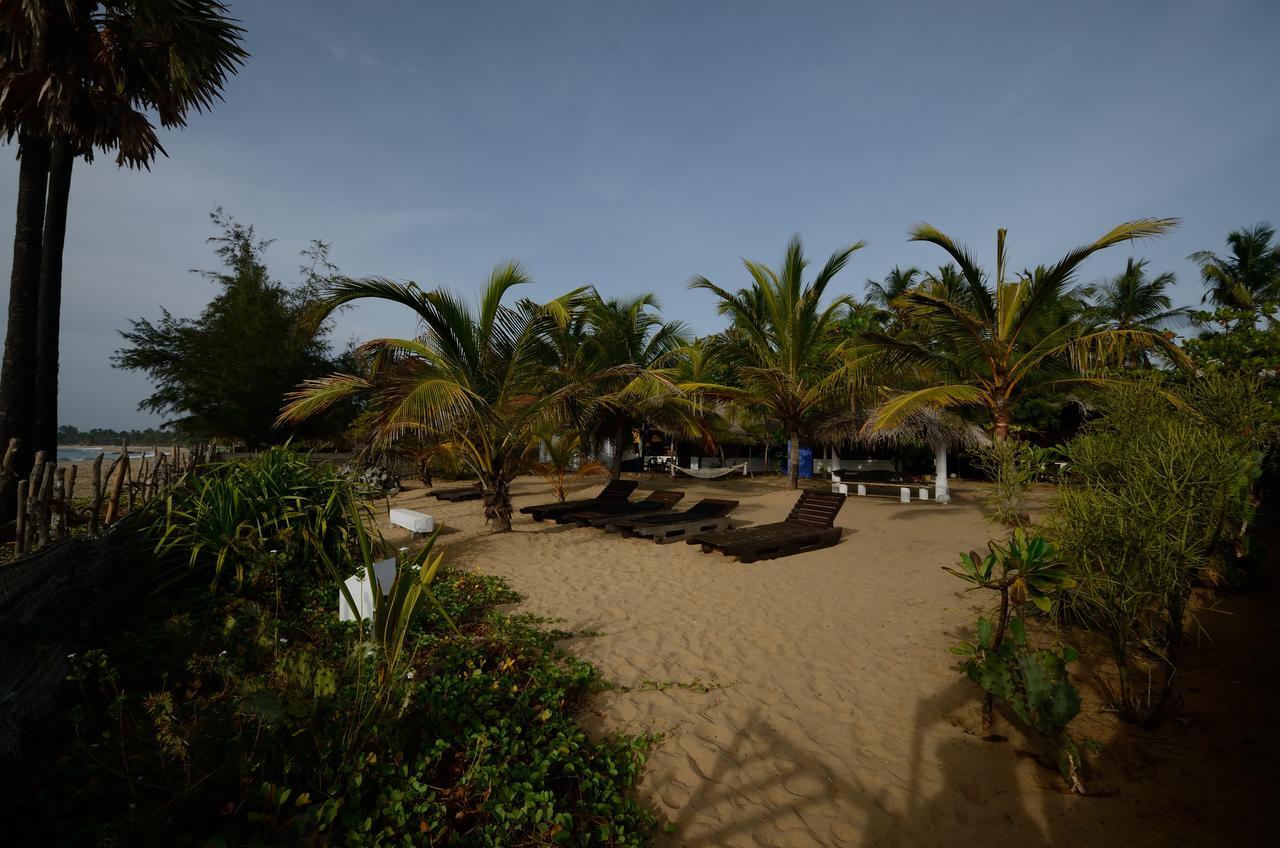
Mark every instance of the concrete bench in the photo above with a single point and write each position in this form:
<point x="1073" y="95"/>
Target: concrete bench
<point x="903" y="492"/>
<point x="412" y="520"/>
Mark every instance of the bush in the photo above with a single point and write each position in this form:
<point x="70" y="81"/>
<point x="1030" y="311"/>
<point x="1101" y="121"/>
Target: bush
<point x="1158" y="499"/>
<point x="1033" y="682"/>
<point x="1009" y="465"/>
<point x="240" y="714"/>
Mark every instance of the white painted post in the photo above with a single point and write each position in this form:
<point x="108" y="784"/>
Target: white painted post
<point x="940" y="475"/>
<point x="924" y="493"/>
<point x="862" y="491"/>
<point x="904" y="494"/>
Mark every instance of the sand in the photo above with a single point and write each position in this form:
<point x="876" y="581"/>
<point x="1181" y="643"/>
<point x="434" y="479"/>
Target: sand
<point x="812" y="700"/>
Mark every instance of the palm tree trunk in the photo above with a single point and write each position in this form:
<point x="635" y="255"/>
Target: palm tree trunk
<point x="1001" y="415"/>
<point x="496" y="493"/>
<point x="794" y="461"/>
<point x="48" y="317"/>
<point x="18" y="373"/>
<point x="621" y="433"/>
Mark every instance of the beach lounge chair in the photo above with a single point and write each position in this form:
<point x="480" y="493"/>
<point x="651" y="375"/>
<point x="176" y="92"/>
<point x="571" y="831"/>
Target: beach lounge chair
<point x="616" y="492"/>
<point x="705" y="516"/>
<point x="807" y="528"/>
<point x="601" y="515"/>
<point x="461" y="493"/>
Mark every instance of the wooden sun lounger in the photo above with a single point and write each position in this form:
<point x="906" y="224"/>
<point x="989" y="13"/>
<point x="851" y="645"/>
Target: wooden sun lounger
<point x="602" y="515"/>
<point x="616" y="492"/>
<point x="809" y="526"/>
<point x="705" y="516"/>
<point x="461" y="493"/>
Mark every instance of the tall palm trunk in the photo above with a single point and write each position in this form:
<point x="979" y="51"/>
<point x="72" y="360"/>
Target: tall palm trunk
<point x="794" y="461"/>
<point x="496" y="493"/>
<point x="621" y="434"/>
<point x="18" y="373"/>
<point x="48" y="318"/>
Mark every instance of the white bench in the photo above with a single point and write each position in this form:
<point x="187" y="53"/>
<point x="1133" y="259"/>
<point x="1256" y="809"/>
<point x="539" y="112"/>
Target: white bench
<point x="412" y="520"/>
<point x="904" y="492"/>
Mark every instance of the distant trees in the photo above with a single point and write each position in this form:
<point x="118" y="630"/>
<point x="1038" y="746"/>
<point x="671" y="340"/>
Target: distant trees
<point x="76" y="77"/>
<point x="226" y="373"/>
<point x="71" y="435"/>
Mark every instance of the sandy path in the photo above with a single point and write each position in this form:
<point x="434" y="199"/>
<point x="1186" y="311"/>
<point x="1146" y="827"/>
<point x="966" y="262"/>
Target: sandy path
<point x="829" y="712"/>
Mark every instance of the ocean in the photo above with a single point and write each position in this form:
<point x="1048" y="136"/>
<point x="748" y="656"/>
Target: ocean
<point x="70" y="454"/>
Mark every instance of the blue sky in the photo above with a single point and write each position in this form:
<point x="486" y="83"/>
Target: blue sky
<point x="633" y="145"/>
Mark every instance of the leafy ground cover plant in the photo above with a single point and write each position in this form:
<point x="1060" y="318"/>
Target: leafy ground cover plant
<point x="242" y="714"/>
<point x="1032" y="681"/>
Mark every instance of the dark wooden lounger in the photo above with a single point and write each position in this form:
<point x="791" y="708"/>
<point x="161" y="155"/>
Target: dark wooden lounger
<point x="705" y="516"/>
<point x="602" y="515"/>
<point x="807" y="528"/>
<point x="616" y="492"/>
<point x="462" y="493"/>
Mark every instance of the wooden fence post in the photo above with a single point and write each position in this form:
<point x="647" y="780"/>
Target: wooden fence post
<point x="60" y="499"/>
<point x="113" y="506"/>
<point x="99" y="490"/>
<point x="20" y="538"/>
<point x="68" y="503"/>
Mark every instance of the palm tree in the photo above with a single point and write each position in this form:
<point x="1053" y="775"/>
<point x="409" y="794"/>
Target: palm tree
<point x="1000" y="341"/>
<point x="1131" y="299"/>
<point x="1246" y="278"/>
<point x="75" y="77"/>
<point x="478" y="378"/>
<point x="896" y="283"/>
<point x="628" y="337"/>
<point x="781" y="340"/>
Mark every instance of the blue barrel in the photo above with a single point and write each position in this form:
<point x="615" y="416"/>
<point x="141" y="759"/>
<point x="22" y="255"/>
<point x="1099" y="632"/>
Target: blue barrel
<point x="806" y="462"/>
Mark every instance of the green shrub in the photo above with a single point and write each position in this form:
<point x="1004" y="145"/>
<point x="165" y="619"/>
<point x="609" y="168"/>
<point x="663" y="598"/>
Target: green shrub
<point x="241" y="714"/>
<point x="1010" y="466"/>
<point x="1158" y="499"/>
<point x="1033" y="682"/>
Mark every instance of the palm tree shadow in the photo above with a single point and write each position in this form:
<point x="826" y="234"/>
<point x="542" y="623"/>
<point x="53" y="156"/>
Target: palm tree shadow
<point x="803" y="769"/>
<point x="981" y="789"/>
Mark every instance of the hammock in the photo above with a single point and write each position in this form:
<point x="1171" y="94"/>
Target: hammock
<point x="710" y="473"/>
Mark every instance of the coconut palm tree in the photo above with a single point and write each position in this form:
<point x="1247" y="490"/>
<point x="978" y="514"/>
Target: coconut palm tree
<point x="628" y="337"/>
<point x="1007" y="338"/>
<point x="1131" y="299"/>
<point x="1248" y="276"/>
<point x="896" y="283"/>
<point x="476" y="377"/>
<point x="75" y="77"/>
<point x="780" y="340"/>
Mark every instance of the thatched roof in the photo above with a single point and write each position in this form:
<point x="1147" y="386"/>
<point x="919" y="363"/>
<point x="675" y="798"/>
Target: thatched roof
<point x="928" y="426"/>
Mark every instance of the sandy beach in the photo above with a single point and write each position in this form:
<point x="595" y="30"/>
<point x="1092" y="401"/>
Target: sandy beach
<point x="812" y="701"/>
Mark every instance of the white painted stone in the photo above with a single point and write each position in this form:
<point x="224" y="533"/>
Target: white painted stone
<point x="840" y="488"/>
<point x="904" y="494"/>
<point x="924" y="494"/>
<point x="384" y="573"/>
<point x="862" y="490"/>
<point x="412" y="520"/>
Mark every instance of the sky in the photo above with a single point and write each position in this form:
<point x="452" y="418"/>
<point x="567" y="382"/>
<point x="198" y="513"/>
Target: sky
<point x="633" y="145"/>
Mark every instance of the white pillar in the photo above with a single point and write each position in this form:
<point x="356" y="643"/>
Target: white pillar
<point x="940" y="474"/>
